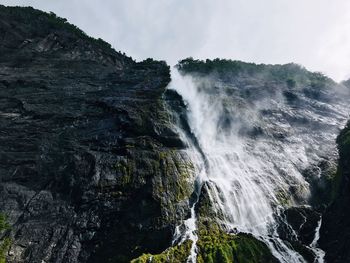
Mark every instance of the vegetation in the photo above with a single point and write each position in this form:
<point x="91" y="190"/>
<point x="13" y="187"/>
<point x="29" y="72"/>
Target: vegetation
<point x="176" y="254"/>
<point x="5" y="242"/>
<point x="292" y="74"/>
<point x="3" y="223"/>
<point x="4" y="247"/>
<point x="214" y="246"/>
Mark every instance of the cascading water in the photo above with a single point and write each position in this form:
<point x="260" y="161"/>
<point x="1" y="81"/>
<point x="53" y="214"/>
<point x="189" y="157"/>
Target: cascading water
<point x="255" y="148"/>
<point x="318" y="252"/>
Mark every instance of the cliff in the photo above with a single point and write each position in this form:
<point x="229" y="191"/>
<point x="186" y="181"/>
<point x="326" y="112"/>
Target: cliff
<point x="99" y="155"/>
<point x="335" y="230"/>
<point x="90" y="169"/>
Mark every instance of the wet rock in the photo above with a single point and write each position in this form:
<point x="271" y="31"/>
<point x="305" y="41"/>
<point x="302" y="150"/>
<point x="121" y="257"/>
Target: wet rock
<point x="300" y="224"/>
<point x="335" y="229"/>
<point x="89" y="163"/>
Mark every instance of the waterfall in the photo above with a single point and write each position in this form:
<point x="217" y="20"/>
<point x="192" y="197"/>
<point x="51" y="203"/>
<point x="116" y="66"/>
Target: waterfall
<point x="318" y="252"/>
<point x="255" y="151"/>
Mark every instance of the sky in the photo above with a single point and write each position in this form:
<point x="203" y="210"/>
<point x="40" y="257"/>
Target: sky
<point x="313" y="33"/>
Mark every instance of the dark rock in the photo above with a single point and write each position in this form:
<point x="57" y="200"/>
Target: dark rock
<point x="89" y="162"/>
<point x="335" y="229"/>
<point x="300" y="224"/>
<point x="297" y="228"/>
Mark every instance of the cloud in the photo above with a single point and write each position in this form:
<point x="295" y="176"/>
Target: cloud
<point x="314" y="33"/>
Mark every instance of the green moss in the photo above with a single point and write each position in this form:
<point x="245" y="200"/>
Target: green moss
<point x="4" y="247"/>
<point x="176" y="254"/>
<point x="126" y="169"/>
<point x="163" y="155"/>
<point x="283" y="198"/>
<point x="214" y="245"/>
<point x="5" y="243"/>
<point x="185" y="170"/>
<point x="3" y="222"/>
<point x="177" y="174"/>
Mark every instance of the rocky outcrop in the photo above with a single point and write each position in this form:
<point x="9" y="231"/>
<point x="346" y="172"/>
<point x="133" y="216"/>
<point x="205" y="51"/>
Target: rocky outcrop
<point x="335" y="230"/>
<point x="90" y="168"/>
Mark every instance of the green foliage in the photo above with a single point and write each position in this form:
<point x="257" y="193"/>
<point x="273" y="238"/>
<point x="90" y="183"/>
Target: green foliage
<point x="190" y="65"/>
<point x="292" y="74"/>
<point x="176" y="254"/>
<point x="216" y="246"/>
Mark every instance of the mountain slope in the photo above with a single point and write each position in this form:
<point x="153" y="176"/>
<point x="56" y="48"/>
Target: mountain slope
<point x="103" y="159"/>
<point x="89" y="166"/>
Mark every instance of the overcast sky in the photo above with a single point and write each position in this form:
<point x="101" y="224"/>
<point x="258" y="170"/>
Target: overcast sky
<point x="314" y="33"/>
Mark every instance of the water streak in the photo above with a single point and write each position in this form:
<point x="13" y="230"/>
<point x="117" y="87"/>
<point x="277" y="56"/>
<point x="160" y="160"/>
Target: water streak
<point x="320" y="254"/>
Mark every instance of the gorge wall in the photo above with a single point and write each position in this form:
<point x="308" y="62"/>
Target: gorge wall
<point x="89" y="165"/>
<point x="104" y="159"/>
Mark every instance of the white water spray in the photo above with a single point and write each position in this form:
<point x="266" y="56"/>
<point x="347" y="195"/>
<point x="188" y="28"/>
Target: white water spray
<point x="320" y="254"/>
<point x="253" y="177"/>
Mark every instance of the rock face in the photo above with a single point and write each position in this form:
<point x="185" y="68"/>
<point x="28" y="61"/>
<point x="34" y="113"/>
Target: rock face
<point x="335" y="230"/>
<point x="90" y="169"/>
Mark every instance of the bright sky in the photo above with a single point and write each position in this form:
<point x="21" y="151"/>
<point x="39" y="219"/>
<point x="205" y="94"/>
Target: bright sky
<point x="314" y="33"/>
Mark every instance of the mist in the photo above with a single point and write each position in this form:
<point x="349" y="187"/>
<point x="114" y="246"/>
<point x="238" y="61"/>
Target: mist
<point x="314" y="33"/>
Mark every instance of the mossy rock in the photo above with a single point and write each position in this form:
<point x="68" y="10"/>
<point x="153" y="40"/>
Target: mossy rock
<point x="5" y="243"/>
<point x="4" y="225"/>
<point x="176" y="254"/>
<point x="178" y="176"/>
<point x="214" y="246"/>
<point x="4" y="247"/>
